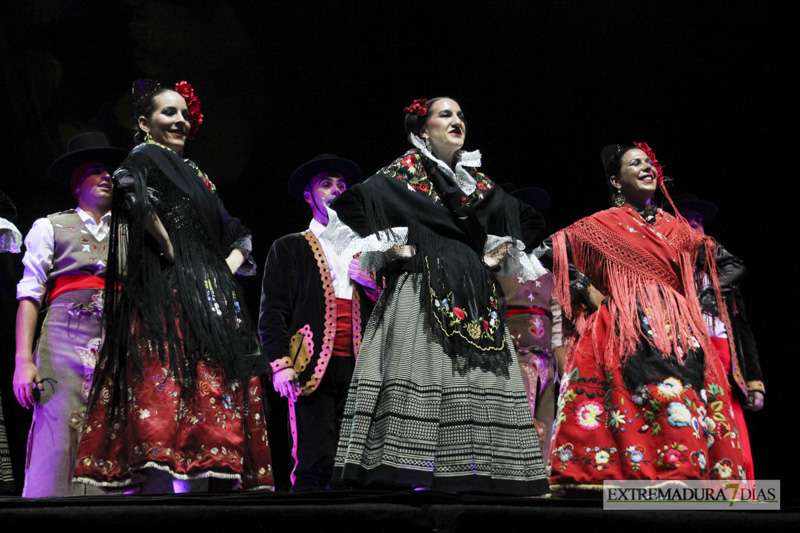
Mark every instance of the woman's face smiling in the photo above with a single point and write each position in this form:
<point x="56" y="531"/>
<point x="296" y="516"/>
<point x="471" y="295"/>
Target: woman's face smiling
<point x="169" y="124"/>
<point x="637" y="179"/>
<point x="445" y="129"/>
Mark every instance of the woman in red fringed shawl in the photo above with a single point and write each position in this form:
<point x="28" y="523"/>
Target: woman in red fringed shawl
<point x="644" y="395"/>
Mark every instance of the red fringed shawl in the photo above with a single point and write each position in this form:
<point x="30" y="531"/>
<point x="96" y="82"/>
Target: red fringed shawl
<point x="633" y="263"/>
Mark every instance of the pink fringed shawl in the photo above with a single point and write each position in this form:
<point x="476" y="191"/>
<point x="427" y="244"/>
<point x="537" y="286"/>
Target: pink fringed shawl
<point x="631" y="262"/>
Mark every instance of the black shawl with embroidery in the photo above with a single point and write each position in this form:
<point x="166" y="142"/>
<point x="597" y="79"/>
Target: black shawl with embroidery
<point x="449" y="229"/>
<point x="179" y="312"/>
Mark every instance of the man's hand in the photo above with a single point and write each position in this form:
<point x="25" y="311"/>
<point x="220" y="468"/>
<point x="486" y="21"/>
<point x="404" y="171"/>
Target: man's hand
<point x="285" y="383"/>
<point x="359" y="276"/>
<point x="26" y="376"/>
<point x="755" y="400"/>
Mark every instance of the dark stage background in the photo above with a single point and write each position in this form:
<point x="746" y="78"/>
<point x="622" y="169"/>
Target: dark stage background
<point x="544" y="85"/>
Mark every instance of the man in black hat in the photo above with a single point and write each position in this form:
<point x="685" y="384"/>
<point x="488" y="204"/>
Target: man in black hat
<point x="65" y="262"/>
<point x="311" y="322"/>
<point x="744" y="370"/>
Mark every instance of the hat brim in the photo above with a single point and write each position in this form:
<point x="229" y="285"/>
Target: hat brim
<point x="533" y="196"/>
<point x="63" y="167"/>
<point x="300" y="177"/>
<point x="707" y="210"/>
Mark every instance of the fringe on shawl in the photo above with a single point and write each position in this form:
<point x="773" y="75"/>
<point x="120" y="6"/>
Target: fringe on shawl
<point x="176" y="313"/>
<point x="628" y="287"/>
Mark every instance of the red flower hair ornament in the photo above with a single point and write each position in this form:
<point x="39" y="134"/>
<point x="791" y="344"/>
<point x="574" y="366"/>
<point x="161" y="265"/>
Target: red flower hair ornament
<point x="184" y="89"/>
<point x="417" y="107"/>
<point x="644" y="147"/>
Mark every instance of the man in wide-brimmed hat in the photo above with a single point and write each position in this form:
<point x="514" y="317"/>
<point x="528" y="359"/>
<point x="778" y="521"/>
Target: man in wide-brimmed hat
<point x="65" y="262"/>
<point x="744" y="370"/>
<point x="311" y="321"/>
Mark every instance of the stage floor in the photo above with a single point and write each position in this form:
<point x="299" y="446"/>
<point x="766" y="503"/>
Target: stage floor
<point x="373" y="511"/>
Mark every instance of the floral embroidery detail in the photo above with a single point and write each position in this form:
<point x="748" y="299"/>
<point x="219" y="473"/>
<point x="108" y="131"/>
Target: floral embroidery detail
<point x="599" y="458"/>
<point x="564" y="455"/>
<point x="699" y="458"/>
<point x="616" y="419"/>
<point x="88" y="355"/>
<point x="479" y="330"/>
<point x="723" y="469"/>
<point x="212" y="299"/>
<point x="672" y="456"/>
<point x="640" y="395"/>
<point x="679" y="415"/>
<point x="635" y="455"/>
<point x="588" y="414"/>
<point x="670" y="388"/>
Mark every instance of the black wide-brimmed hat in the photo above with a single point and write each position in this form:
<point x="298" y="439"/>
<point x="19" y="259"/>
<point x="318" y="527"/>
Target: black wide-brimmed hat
<point x="85" y="148"/>
<point x="689" y="202"/>
<point x="323" y="163"/>
<point x="533" y="196"/>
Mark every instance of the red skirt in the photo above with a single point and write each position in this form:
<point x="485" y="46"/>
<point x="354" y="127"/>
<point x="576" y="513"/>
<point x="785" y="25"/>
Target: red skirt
<point x="664" y="431"/>
<point x="207" y="432"/>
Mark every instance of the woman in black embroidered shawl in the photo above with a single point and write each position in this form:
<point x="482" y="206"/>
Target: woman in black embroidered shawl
<point x="437" y="400"/>
<point x="173" y="400"/>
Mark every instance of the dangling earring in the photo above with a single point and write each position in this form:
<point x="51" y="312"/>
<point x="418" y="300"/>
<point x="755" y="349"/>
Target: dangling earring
<point x="618" y="199"/>
<point x="428" y="144"/>
<point x="148" y="138"/>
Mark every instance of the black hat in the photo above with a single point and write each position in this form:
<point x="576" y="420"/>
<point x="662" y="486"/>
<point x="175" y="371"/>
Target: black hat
<point x="533" y="196"/>
<point x="689" y="202"/>
<point x="85" y="148"/>
<point x="323" y="163"/>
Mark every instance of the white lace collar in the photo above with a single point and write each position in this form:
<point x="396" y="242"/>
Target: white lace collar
<point x="462" y="178"/>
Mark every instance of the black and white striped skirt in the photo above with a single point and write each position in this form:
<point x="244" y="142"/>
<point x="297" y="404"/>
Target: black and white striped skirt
<point x="414" y="418"/>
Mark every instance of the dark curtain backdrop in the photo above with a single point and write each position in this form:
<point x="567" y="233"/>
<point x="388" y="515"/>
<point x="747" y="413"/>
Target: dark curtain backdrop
<point x="544" y="85"/>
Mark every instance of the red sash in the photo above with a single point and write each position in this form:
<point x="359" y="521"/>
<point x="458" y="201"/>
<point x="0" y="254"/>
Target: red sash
<point x="343" y="342"/>
<point x="73" y="283"/>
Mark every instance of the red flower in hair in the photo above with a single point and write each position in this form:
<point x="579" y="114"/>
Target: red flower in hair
<point x="184" y="89"/>
<point x="644" y="147"/>
<point x="417" y="107"/>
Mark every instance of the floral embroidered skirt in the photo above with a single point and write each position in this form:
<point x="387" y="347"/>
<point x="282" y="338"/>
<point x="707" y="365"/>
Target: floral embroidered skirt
<point x="204" y="433"/>
<point x="665" y="430"/>
<point x="414" y="419"/>
<point x="65" y="356"/>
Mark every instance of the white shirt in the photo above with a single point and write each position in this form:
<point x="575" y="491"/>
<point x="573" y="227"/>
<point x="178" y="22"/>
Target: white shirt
<point x="339" y="265"/>
<point x="39" y="246"/>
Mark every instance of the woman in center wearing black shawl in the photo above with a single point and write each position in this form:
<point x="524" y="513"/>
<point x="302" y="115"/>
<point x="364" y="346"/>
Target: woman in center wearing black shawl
<point x="437" y="399"/>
